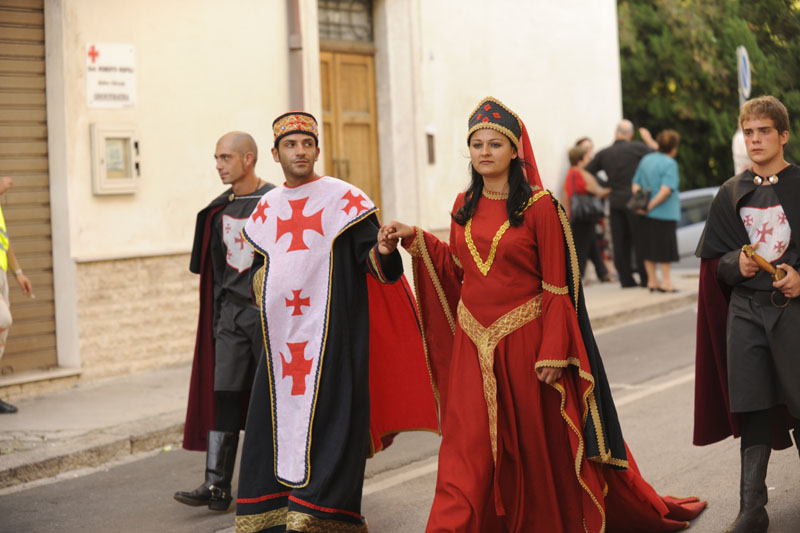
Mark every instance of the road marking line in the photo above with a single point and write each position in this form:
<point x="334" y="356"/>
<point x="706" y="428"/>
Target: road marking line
<point x="426" y="468"/>
<point x="636" y="396"/>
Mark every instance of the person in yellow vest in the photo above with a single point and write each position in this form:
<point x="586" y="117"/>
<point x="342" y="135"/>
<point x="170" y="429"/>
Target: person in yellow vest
<point x="7" y="258"/>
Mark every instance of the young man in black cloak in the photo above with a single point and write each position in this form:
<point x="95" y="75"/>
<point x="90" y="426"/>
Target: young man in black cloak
<point x="748" y="372"/>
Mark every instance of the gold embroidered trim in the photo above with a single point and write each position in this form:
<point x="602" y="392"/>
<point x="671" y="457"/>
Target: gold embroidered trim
<point x="473" y="250"/>
<point x="296" y="521"/>
<point x="418" y="249"/>
<point x="258" y="522"/>
<point x="258" y="284"/>
<point x="555" y="290"/>
<point x="485" y="340"/>
<point x="494" y="195"/>
<point x="573" y="254"/>
<point x="579" y="455"/>
<point x="457" y="261"/>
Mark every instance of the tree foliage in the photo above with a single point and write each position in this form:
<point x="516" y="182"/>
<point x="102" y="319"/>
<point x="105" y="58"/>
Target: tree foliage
<point x="678" y="61"/>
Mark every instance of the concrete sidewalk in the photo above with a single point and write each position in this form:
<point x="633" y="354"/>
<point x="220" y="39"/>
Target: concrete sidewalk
<point x="92" y="424"/>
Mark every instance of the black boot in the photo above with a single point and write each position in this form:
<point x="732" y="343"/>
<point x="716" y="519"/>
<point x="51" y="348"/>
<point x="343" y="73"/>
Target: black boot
<point x="753" y="516"/>
<point x="6" y="408"/>
<point x="220" y="459"/>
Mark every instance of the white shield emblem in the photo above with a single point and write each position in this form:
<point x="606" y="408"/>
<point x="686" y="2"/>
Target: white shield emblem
<point x="768" y="229"/>
<point x="240" y="253"/>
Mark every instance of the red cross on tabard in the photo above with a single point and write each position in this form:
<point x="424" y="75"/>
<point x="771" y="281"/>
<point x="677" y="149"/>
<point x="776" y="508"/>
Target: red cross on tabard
<point x="778" y="246"/>
<point x="298" y="223"/>
<point x="227" y="228"/>
<point x="297" y="302"/>
<point x="763" y="232"/>
<point x="260" y="212"/>
<point x="299" y="368"/>
<point x="748" y="220"/>
<point x="782" y="219"/>
<point x="354" y="202"/>
<point x="93" y="53"/>
<point x="240" y="241"/>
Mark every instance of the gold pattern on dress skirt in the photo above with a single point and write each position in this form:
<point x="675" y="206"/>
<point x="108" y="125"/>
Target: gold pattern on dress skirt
<point x="297" y="521"/>
<point x="258" y="522"/>
<point x="485" y="340"/>
<point x="554" y="289"/>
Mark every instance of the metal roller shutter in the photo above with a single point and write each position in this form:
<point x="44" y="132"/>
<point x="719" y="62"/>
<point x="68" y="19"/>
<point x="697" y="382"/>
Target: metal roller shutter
<point x="23" y="155"/>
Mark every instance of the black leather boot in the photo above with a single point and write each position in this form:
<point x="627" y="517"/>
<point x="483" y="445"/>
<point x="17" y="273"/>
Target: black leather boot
<point x="6" y="408"/>
<point x="753" y="516"/>
<point x="220" y="459"/>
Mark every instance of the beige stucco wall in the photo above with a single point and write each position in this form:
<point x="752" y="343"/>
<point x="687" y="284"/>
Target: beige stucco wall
<point x="555" y="63"/>
<point x="125" y="300"/>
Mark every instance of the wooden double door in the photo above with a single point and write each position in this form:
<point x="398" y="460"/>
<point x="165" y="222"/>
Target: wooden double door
<point x="349" y="120"/>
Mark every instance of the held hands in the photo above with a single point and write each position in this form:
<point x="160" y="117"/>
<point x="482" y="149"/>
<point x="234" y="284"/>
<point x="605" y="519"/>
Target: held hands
<point x="790" y="284"/>
<point x="390" y="234"/>
<point x="549" y="374"/>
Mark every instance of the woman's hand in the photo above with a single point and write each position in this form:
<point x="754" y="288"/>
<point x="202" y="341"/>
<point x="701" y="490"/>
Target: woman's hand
<point x="390" y="234"/>
<point x="789" y="285"/>
<point x="548" y="374"/>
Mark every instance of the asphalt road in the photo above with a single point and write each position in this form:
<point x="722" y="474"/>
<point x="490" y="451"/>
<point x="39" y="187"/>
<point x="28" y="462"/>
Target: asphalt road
<point x="650" y="366"/>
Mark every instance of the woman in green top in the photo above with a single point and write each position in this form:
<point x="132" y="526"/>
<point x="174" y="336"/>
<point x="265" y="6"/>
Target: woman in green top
<point x="658" y="172"/>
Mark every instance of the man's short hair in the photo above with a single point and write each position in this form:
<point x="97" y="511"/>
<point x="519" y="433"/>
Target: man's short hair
<point x="575" y="154"/>
<point x="766" y="107"/>
<point x="667" y="140"/>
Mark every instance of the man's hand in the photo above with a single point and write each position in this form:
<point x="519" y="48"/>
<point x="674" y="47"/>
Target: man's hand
<point x="790" y="284"/>
<point x="25" y="284"/>
<point x="386" y="244"/>
<point x="747" y="266"/>
<point x="548" y="374"/>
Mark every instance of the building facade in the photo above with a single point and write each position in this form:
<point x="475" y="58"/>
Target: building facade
<point x="110" y="110"/>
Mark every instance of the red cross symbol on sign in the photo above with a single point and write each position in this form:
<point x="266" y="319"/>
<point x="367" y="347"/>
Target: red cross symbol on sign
<point x="298" y="223"/>
<point x="297" y="302"/>
<point x="239" y="241"/>
<point x="353" y="201"/>
<point x="298" y="368"/>
<point x="93" y="53"/>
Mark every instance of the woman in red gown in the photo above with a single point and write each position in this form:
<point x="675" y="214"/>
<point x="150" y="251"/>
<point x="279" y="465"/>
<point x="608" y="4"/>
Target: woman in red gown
<point x="531" y="440"/>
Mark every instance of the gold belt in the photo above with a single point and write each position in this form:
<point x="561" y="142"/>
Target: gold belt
<point x="486" y="339"/>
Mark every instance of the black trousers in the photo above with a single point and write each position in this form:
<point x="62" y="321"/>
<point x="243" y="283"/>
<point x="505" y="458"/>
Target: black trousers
<point x="583" y="234"/>
<point x="625" y="231"/>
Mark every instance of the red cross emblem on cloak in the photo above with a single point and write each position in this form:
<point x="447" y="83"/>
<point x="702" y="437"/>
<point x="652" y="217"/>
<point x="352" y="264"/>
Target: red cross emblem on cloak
<point x="354" y="202"/>
<point x="260" y="212"/>
<point x="763" y="232"/>
<point x="297" y="302"/>
<point x="298" y="223"/>
<point x="298" y="368"/>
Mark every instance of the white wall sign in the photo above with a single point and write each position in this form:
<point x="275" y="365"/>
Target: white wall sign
<point x="110" y="75"/>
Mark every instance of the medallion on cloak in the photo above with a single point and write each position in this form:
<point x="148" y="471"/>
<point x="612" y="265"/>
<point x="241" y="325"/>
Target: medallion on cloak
<point x="239" y="254"/>
<point x="768" y="229"/>
<point x="295" y="229"/>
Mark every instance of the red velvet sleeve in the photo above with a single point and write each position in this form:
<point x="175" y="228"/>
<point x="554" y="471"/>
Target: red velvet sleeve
<point x="559" y="318"/>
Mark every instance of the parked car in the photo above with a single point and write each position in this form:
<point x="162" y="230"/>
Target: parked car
<point x="695" y="205"/>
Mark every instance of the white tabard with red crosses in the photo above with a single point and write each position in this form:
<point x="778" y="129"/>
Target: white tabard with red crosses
<point x="295" y="229"/>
